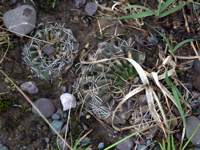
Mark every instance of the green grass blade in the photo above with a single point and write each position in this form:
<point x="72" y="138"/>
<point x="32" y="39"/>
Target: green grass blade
<point x="179" y="106"/>
<point x="160" y="145"/>
<point x="172" y="139"/>
<point x="139" y="15"/>
<point x="165" y="5"/>
<point x="170" y="47"/>
<point x="171" y="10"/>
<point x="159" y="8"/>
<point x="142" y="7"/>
<point x="167" y="78"/>
<point x="182" y="43"/>
<point x="191" y="137"/>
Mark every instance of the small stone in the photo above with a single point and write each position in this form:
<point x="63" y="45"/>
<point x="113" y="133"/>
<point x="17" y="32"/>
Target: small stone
<point x="192" y="123"/>
<point x="61" y="144"/>
<point x="197" y="65"/>
<point x="21" y="19"/>
<point x="141" y="147"/>
<point x="91" y="8"/>
<point x="195" y="6"/>
<point x="196" y="83"/>
<point x="162" y="30"/>
<point x="198" y="99"/>
<point x="101" y="145"/>
<point x="1" y="145"/>
<point x="148" y="142"/>
<point x="110" y="135"/>
<point x="63" y="131"/>
<point x="59" y="111"/>
<point x="87" y="117"/>
<point x="68" y="100"/>
<point x="79" y="3"/>
<point x="178" y="136"/>
<point x="153" y="40"/>
<point x="125" y="145"/>
<point x="57" y="124"/>
<point x="46" y="107"/>
<point x="85" y="140"/>
<point x="29" y="87"/>
<point x="47" y="140"/>
<point x="65" y="114"/>
<point x="24" y="147"/>
<point x="55" y="116"/>
<point x="104" y="5"/>
<point x="13" y="1"/>
<point x="84" y="127"/>
<point x="64" y="88"/>
<point x="48" y="49"/>
<point x="3" y="148"/>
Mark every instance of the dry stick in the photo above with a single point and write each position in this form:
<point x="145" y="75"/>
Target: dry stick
<point x="26" y="35"/>
<point x="36" y="109"/>
<point x="188" y="30"/>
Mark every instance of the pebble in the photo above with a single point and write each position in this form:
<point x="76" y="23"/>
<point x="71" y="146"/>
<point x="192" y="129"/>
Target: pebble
<point x="84" y="126"/>
<point x="91" y="8"/>
<point x="61" y="144"/>
<point x="68" y="100"/>
<point x="153" y="40"/>
<point x="196" y="83"/>
<point x="192" y="123"/>
<point x="29" y="87"/>
<point x="3" y="148"/>
<point x="105" y="4"/>
<point x="148" y="142"/>
<point x="49" y="50"/>
<point x="46" y="107"/>
<point x="195" y="6"/>
<point x="141" y="147"/>
<point x="47" y="140"/>
<point x="198" y="99"/>
<point x="125" y="145"/>
<point x="63" y="88"/>
<point x="21" y="19"/>
<point x="197" y="65"/>
<point x="65" y="114"/>
<point x="57" y="124"/>
<point x="85" y="140"/>
<point x="63" y="131"/>
<point x="13" y="1"/>
<point x="79" y="3"/>
<point x="59" y="111"/>
<point x="87" y="117"/>
<point x="55" y="116"/>
<point x="1" y="145"/>
<point x="24" y="147"/>
<point x="101" y="145"/>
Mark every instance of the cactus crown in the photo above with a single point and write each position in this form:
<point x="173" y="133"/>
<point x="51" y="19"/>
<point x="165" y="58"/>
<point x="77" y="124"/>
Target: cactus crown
<point x="49" y="60"/>
<point x="104" y="83"/>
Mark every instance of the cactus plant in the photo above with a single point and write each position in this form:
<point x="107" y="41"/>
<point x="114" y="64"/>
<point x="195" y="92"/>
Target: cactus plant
<point x="103" y="84"/>
<point x="51" y="55"/>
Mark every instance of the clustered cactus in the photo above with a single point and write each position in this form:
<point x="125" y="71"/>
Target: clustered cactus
<point x="47" y="60"/>
<point x="105" y="81"/>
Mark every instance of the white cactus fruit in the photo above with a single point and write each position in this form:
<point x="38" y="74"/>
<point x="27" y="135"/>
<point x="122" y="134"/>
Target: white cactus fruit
<point x="66" y="99"/>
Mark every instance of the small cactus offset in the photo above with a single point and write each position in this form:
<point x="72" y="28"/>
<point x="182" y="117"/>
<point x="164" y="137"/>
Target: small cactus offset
<point x="47" y="60"/>
<point x="103" y="84"/>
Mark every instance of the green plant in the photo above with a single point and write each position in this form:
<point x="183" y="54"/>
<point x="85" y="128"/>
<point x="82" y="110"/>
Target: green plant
<point x="149" y="12"/>
<point x="101" y="36"/>
<point x="47" y="61"/>
<point x="102" y="84"/>
<point x="61" y="81"/>
<point x="55" y="2"/>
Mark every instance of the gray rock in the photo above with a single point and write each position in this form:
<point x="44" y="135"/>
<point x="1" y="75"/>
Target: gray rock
<point x="55" y="116"/>
<point x="61" y="144"/>
<point x="24" y="147"/>
<point x="48" y="49"/>
<point x="63" y="131"/>
<point x="79" y="3"/>
<point x="68" y="100"/>
<point x="84" y="127"/>
<point x="125" y="145"/>
<point x="47" y="140"/>
<point x="153" y="40"/>
<point x="29" y="87"/>
<point x="192" y="123"/>
<point x="141" y="147"/>
<point x="195" y="6"/>
<point x="91" y="8"/>
<point x="105" y="4"/>
<point x="3" y="148"/>
<point x="64" y="114"/>
<point x="148" y="142"/>
<point x="59" y="111"/>
<point x="57" y="124"/>
<point x="85" y="141"/>
<point x="21" y="19"/>
<point x="13" y="1"/>
<point x="63" y="88"/>
<point x="101" y="145"/>
<point x="46" y="107"/>
<point x="197" y="65"/>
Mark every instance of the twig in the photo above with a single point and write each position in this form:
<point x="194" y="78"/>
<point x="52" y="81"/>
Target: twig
<point x="188" y="30"/>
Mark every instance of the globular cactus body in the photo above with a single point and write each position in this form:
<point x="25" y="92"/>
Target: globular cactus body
<point x="104" y="83"/>
<point x="49" y="60"/>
